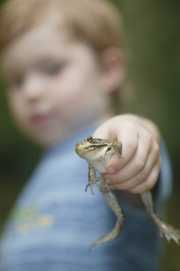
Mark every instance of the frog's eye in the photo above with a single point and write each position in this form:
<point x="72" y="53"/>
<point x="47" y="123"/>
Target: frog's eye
<point x="89" y="139"/>
<point x="109" y="149"/>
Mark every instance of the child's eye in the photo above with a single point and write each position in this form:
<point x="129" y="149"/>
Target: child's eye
<point x="53" y="68"/>
<point x="16" y="82"/>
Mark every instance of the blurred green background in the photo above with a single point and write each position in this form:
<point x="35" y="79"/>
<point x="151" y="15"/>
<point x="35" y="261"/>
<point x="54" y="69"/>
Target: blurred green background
<point x="153" y="41"/>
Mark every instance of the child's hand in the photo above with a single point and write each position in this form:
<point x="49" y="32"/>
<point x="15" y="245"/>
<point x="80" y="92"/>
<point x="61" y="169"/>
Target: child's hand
<point x="137" y="169"/>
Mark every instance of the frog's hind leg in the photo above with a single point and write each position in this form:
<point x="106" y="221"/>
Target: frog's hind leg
<point x="112" y="202"/>
<point x="166" y="231"/>
<point x="108" y="237"/>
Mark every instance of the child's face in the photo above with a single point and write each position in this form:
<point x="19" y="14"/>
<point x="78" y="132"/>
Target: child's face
<point x="54" y="84"/>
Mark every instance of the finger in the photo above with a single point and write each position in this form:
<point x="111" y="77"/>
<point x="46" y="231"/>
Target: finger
<point x="141" y="177"/>
<point x="149" y="183"/>
<point x="103" y="131"/>
<point x="138" y="161"/>
<point x="129" y="140"/>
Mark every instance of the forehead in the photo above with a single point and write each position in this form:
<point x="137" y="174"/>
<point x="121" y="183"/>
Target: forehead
<point x="43" y="41"/>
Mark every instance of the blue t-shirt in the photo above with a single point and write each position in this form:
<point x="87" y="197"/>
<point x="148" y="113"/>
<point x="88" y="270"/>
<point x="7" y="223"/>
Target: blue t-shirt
<point x="55" y="221"/>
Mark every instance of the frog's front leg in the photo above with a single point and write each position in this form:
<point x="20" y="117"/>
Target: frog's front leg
<point x="92" y="179"/>
<point x="103" y="186"/>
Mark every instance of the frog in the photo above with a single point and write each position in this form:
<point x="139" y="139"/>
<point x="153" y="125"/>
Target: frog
<point x="98" y="152"/>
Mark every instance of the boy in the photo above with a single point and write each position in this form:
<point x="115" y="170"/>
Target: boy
<point x="62" y="60"/>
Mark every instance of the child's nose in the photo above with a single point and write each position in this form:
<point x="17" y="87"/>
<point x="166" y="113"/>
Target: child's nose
<point x="34" y="87"/>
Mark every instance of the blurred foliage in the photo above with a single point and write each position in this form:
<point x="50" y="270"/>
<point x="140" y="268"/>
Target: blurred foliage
<point x="153" y="42"/>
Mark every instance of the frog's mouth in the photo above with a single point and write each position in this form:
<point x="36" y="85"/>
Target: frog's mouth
<point x="78" y="148"/>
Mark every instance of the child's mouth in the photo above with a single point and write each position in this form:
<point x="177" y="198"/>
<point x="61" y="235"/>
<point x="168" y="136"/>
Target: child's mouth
<point x="39" y="119"/>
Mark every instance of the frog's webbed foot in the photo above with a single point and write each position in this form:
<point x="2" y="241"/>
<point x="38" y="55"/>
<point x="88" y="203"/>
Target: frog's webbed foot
<point x="167" y="231"/>
<point x="89" y="186"/>
<point x="91" y="178"/>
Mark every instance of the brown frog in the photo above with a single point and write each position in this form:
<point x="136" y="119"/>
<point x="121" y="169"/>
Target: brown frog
<point x="98" y="152"/>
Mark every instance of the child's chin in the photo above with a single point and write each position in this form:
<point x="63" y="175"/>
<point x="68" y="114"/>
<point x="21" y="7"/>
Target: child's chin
<point x="43" y="139"/>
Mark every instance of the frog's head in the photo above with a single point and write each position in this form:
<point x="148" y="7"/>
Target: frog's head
<point x="94" y="148"/>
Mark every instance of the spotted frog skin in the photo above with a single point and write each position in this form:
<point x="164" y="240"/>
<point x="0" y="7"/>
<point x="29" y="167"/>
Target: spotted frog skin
<point x="97" y="152"/>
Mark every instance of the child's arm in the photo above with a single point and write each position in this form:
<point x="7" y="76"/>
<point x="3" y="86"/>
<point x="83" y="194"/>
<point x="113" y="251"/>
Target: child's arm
<point x="138" y="168"/>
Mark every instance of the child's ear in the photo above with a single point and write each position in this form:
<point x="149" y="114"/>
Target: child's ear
<point x="113" y="69"/>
